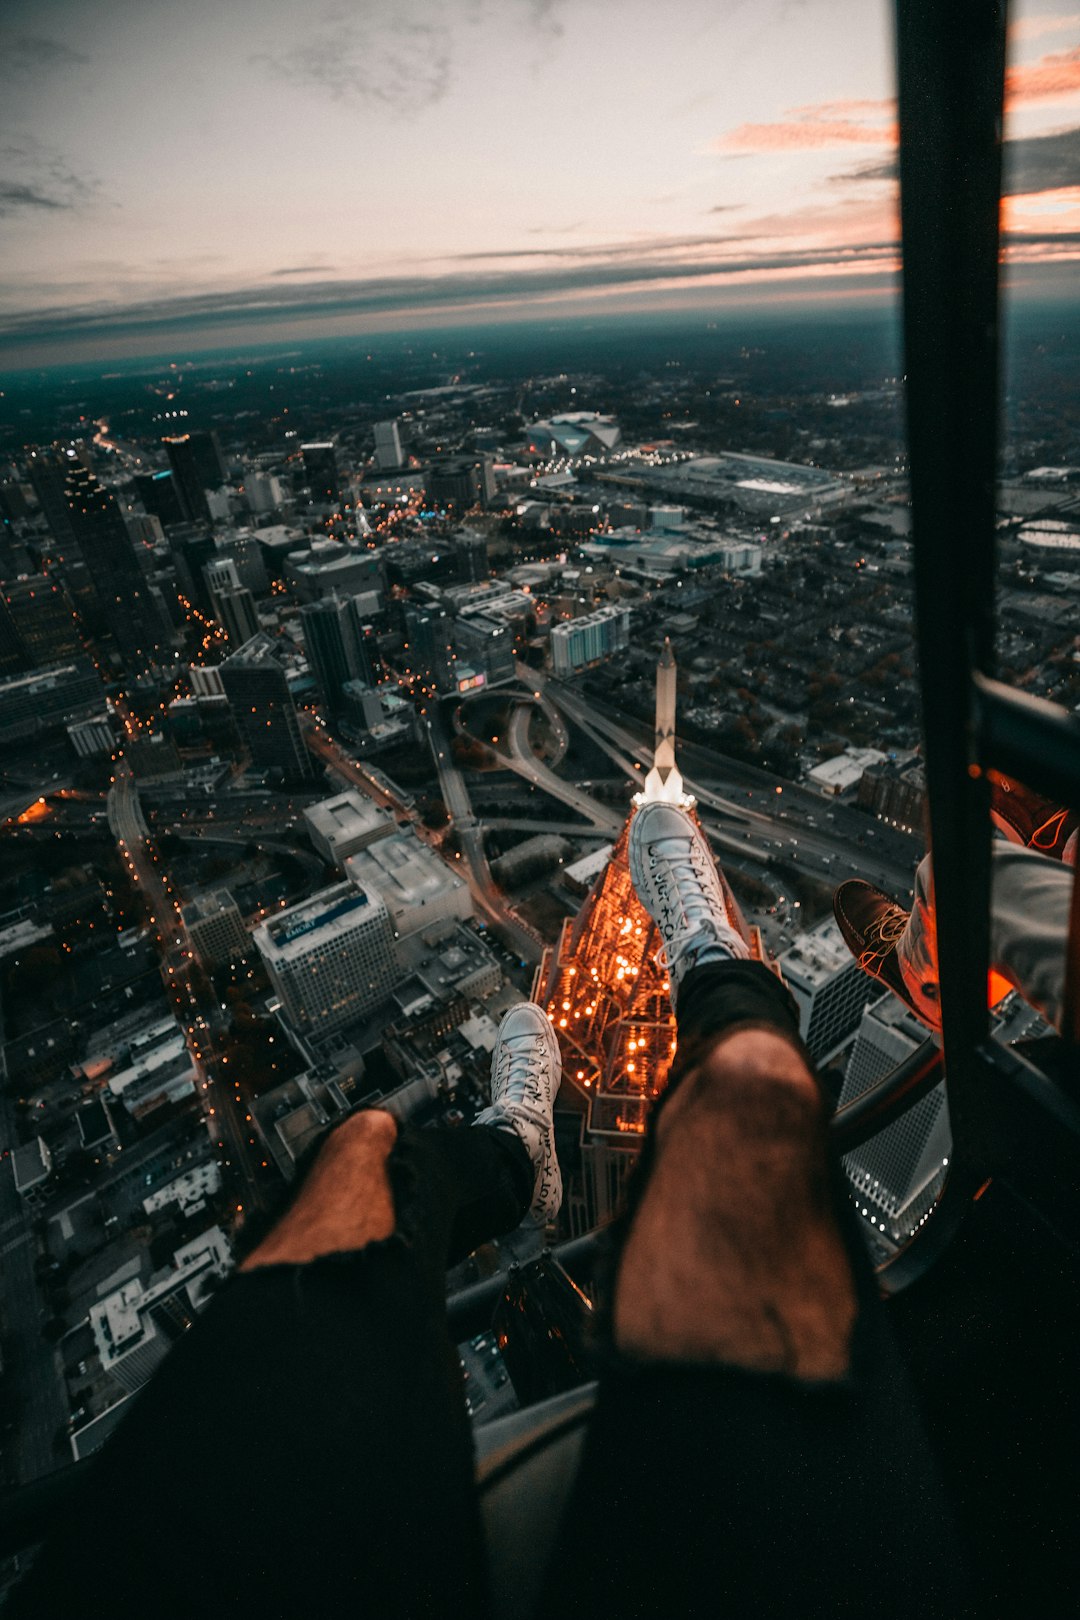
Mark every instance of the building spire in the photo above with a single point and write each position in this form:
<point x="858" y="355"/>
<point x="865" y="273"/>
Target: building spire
<point x="664" y="781"/>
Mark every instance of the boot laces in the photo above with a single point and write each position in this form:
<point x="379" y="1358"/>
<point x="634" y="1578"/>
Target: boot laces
<point x="882" y="935"/>
<point x="1052" y="827"/>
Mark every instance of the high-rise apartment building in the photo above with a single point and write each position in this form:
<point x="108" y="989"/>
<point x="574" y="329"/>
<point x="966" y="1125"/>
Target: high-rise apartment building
<point x="321" y="472"/>
<point x="594" y="636"/>
<point x="331" y="958"/>
<point x="336" y="646"/>
<point x="263" y="709"/>
<point x="131" y="609"/>
<point x="388" y="451"/>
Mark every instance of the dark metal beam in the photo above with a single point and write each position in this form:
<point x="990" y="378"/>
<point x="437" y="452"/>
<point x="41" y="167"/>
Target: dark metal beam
<point x="951" y="61"/>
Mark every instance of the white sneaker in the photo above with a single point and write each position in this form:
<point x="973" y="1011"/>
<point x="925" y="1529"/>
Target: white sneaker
<point x="526" y="1067"/>
<point x="674" y="875"/>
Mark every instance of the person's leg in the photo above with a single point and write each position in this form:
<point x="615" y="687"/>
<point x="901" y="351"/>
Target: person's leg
<point x="1030" y="897"/>
<point x="755" y="1447"/>
<point x="307" y="1444"/>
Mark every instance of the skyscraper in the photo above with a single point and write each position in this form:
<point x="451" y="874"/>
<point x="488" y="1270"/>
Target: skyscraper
<point x="48" y="469"/>
<point x="207" y="458"/>
<point x="331" y="958"/>
<point x="42" y="618"/>
<point x="321" y="472"/>
<point x="195" y="459"/>
<point x="430" y="650"/>
<point x="131" y="610"/>
<point x="388" y="452"/>
<point x="237" y="615"/>
<point x="335" y="643"/>
<point x="829" y="987"/>
<point x="263" y="710"/>
<point x="897" y="1175"/>
<point x="160" y="495"/>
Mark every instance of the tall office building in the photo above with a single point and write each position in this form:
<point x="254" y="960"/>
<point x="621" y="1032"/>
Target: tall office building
<point x="584" y="641"/>
<point x="237" y="615"/>
<point x="430" y="650"/>
<point x="41" y="617"/>
<point x="220" y="574"/>
<point x="388" y="451"/>
<point x="331" y="958"/>
<point x="897" y="1175"/>
<point x="486" y="646"/>
<point x="321" y="472"/>
<point x="48" y="469"/>
<point x="131" y="610"/>
<point x="215" y="928"/>
<point x="207" y="458"/>
<point x="188" y="467"/>
<point x="336" y="646"/>
<point x="263" y="710"/>
<point x="829" y="987"/>
<point x="159" y="494"/>
<point x="460" y="481"/>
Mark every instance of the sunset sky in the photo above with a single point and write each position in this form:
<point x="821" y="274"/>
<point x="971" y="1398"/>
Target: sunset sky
<point x="242" y="170"/>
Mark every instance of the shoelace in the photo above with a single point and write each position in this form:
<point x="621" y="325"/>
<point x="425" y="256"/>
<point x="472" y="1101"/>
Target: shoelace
<point x="699" y="906"/>
<point x="882" y="936"/>
<point x="1052" y="825"/>
<point x="524" y="1066"/>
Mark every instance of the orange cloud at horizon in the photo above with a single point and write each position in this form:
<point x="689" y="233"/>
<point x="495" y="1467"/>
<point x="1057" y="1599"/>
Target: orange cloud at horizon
<point x="1050" y="78"/>
<point x="802" y="134"/>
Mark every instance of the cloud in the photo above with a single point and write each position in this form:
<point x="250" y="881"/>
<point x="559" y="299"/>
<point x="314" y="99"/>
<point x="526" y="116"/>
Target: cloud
<point x="21" y="54"/>
<point x="14" y="196"/>
<point x="1042" y="162"/>
<point x="304" y="270"/>
<point x="386" y="57"/>
<point x="880" y="169"/>
<point x="1049" y="79"/>
<point x="821" y="124"/>
<point x="724" y="208"/>
<point x="389" y="294"/>
<point x="35" y="177"/>
<point x="1031" y="163"/>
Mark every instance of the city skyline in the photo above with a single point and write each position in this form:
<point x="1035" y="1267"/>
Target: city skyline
<point x="210" y="178"/>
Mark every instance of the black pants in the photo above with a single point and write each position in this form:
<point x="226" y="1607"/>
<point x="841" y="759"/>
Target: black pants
<point x="305" y="1449"/>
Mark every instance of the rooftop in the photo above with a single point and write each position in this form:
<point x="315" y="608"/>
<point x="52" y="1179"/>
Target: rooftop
<point x="317" y="920"/>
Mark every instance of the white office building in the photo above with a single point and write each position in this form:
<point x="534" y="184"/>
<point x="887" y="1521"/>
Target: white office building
<point x="341" y="826"/>
<point x="417" y="886"/>
<point x="331" y="958"/>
